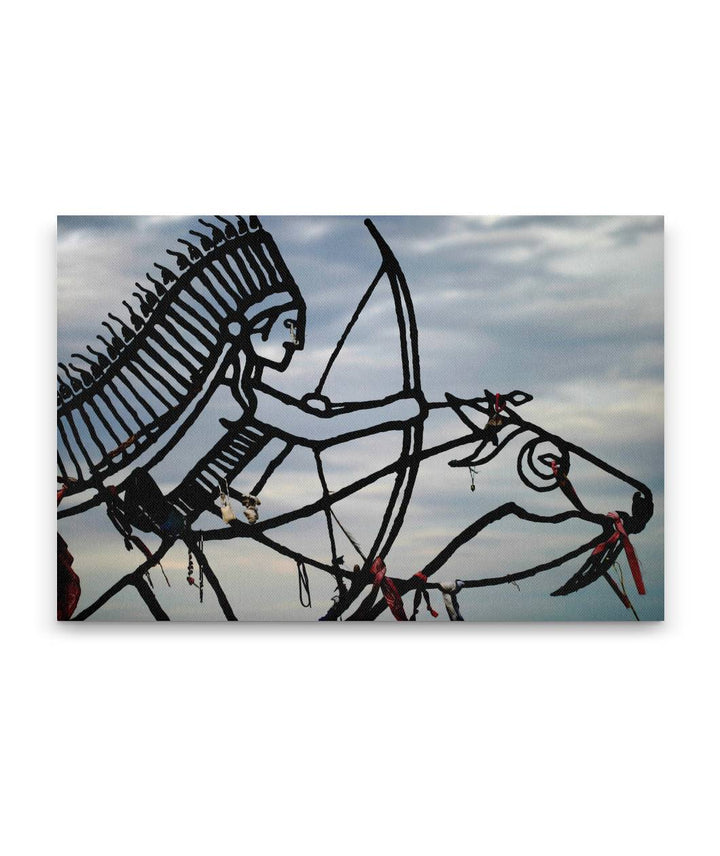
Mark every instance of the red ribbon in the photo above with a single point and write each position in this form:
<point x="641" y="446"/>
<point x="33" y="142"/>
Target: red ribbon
<point x="420" y="575"/>
<point x="389" y="589"/>
<point x="68" y="582"/>
<point x="632" y="558"/>
<point x="565" y="485"/>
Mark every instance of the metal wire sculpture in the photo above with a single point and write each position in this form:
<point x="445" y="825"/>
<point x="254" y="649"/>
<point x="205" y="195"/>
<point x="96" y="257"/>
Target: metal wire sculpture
<point x="194" y="328"/>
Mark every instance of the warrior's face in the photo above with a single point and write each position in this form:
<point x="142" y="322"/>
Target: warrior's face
<point x="277" y="329"/>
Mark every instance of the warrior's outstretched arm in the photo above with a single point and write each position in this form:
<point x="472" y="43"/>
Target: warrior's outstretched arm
<point x="316" y="418"/>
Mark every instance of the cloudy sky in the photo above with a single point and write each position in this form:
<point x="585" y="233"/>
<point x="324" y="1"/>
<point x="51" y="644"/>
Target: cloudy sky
<point x="568" y="309"/>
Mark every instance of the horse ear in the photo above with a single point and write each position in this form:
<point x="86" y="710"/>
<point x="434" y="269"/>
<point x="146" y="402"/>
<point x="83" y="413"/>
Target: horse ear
<point x="517" y="397"/>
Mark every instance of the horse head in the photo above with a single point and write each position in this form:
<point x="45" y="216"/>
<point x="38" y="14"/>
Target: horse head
<point x="545" y="463"/>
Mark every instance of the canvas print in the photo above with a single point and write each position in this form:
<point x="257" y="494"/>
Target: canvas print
<point x="360" y="418"/>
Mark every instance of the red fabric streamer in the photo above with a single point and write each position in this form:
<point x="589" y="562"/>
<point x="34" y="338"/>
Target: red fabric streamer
<point x="566" y="486"/>
<point x="422" y="592"/>
<point x="389" y="589"/>
<point x="632" y="558"/>
<point x="68" y="582"/>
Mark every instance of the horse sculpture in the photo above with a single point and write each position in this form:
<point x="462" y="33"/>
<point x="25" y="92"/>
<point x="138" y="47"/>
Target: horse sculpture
<point x="229" y="314"/>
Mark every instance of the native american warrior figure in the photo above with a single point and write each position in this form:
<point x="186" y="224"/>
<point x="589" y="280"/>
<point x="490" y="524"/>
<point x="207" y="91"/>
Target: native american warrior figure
<point x="228" y="315"/>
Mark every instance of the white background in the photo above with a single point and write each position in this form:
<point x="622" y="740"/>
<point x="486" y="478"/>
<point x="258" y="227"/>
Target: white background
<point x="338" y="739"/>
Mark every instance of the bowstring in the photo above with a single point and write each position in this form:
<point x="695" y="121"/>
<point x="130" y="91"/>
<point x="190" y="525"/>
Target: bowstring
<point x="348" y="328"/>
<point x="327" y="501"/>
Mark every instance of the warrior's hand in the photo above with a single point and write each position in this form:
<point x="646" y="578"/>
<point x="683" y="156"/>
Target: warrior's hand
<point x="317" y="403"/>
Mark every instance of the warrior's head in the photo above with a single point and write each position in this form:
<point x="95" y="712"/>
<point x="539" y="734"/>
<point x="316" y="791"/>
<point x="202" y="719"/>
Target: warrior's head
<point x="274" y="328"/>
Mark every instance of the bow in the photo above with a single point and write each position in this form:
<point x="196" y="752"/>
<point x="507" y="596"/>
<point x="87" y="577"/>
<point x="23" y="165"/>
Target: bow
<point x="409" y="459"/>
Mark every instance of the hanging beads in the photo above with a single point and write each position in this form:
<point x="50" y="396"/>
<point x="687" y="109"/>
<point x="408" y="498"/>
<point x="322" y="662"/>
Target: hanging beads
<point x="191" y="568"/>
<point x="473" y="473"/>
<point x="202" y="564"/>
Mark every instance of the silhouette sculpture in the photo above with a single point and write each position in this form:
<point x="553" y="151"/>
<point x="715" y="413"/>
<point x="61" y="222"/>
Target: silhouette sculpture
<point x="222" y="311"/>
